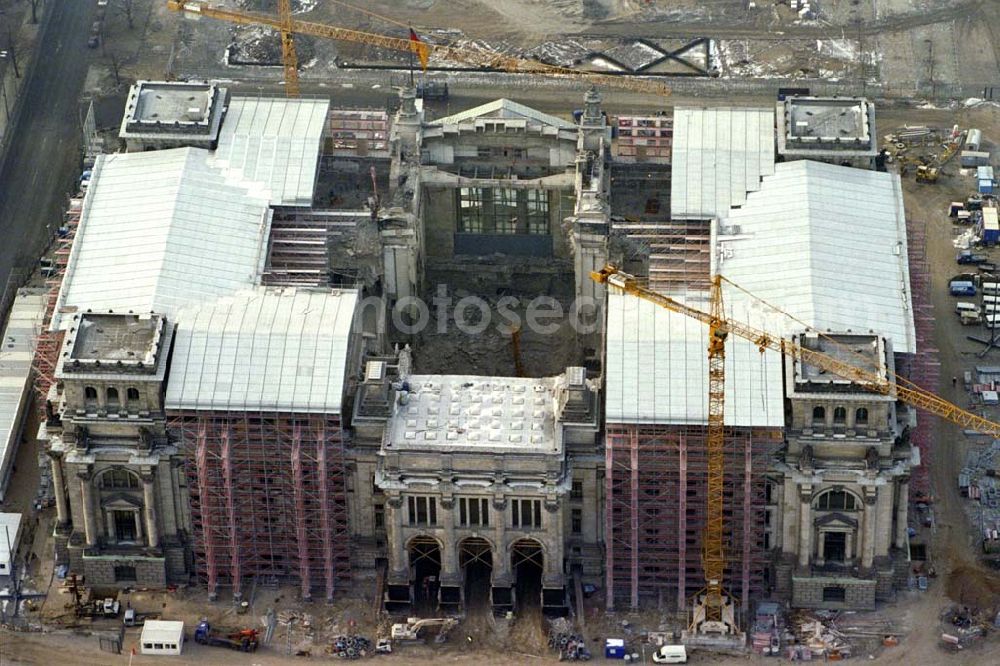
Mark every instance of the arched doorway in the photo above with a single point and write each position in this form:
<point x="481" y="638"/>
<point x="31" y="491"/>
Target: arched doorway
<point x="527" y="561"/>
<point x="425" y="572"/>
<point x="475" y="557"/>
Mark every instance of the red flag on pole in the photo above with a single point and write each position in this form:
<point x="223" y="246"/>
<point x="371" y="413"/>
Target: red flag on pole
<point x="418" y="46"/>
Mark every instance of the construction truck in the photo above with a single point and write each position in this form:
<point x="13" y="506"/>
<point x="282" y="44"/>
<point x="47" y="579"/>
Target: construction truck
<point x="409" y="632"/>
<point x="927" y="174"/>
<point x="244" y="640"/>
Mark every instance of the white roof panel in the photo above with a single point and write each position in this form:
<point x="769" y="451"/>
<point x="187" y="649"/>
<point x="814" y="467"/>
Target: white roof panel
<point x="657" y="369"/>
<point x="834" y="260"/>
<point x="272" y="145"/>
<point x="161" y="229"/>
<point x="719" y="154"/>
<point x="267" y="349"/>
<point x="16" y="354"/>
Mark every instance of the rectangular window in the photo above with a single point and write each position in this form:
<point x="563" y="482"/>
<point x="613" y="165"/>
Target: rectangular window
<point x="834" y="594"/>
<point x="125" y="574"/>
<point x="470" y="210"/>
<point x="526" y="513"/>
<point x="576" y="492"/>
<point x="422" y="510"/>
<point x="538" y="211"/>
<point x="158" y="646"/>
<point x="577" y="520"/>
<point x="379" y="516"/>
<point x="148" y="646"/>
<point x="473" y="512"/>
<point x="504" y="210"/>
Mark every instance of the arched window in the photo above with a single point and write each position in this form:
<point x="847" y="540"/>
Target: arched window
<point x="861" y="416"/>
<point x="118" y="478"/>
<point x="836" y="500"/>
<point x="132" y="394"/>
<point x="819" y="414"/>
<point x="89" y="393"/>
<point x="839" y="415"/>
<point x="112" y="394"/>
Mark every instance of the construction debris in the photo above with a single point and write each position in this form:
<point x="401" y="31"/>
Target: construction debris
<point x="571" y="645"/>
<point x="350" y="647"/>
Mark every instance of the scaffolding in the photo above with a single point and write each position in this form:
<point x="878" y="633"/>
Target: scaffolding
<point x="268" y="499"/>
<point x="655" y="509"/>
<point x="49" y="341"/>
<point x="922" y="368"/>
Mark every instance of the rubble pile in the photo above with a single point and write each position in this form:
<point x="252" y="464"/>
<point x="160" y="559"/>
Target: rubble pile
<point x="571" y="646"/>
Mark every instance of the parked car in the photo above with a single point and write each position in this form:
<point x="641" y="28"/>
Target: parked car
<point x="969" y="257"/>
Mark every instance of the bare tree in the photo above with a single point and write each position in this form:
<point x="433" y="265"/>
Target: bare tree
<point x="13" y="51"/>
<point x="34" y="10"/>
<point x="126" y="7"/>
<point x="115" y="64"/>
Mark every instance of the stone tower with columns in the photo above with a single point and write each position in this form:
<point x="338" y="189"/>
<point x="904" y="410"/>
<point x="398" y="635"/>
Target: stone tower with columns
<point x="121" y="501"/>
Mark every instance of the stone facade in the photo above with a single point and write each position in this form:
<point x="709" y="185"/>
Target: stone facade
<point x="515" y="508"/>
<point x="837" y="512"/>
<point x="122" y="507"/>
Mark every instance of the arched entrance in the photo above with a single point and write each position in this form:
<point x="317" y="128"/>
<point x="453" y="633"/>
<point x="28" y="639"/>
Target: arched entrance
<point x="527" y="561"/>
<point x="475" y="557"/>
<point x="425" y="572"/>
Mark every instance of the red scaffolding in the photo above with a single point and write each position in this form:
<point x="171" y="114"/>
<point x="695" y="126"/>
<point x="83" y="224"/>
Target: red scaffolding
<point x="922" y="368"/>
<point x="655" y="507"/>
<point x="268" y="499"/>
<point x="50" y="342"/>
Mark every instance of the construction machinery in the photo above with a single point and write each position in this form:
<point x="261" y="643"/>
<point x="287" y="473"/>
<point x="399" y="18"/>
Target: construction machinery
<point x="713" y="613"/>
<point x="244" y="640"/>
<point x="410" y="631"/>
<point x="288" y="26"/>
<point x="927" y="174"/>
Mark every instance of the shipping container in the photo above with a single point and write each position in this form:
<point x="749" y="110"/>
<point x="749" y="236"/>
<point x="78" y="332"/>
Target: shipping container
<point x="972" y="158"/>
<point x="991" y="226"/>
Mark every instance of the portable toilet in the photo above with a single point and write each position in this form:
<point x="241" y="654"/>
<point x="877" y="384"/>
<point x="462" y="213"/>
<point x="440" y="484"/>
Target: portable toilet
<point x="614" y="648"/>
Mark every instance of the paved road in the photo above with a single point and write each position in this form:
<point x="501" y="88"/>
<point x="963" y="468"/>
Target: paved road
<point x="43" y="159"/>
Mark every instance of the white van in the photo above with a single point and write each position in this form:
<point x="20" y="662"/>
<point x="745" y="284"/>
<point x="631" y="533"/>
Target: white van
<point x="963" y="306"/>
<point x="670" y="654"/>
<point x="991" y="300"/>
<point x="991" y="287"/>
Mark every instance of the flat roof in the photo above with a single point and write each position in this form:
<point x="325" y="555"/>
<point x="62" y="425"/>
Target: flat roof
<point x="172" y="102"/>
<point x="864" y="351"/>
<point x="159" y="631"/>
<point x="116" y="337"/>
<point x="173" y="110"/>
<point x="16" y="354"/>
<point x="12" y="522"/>
<point x="265" y="349"/>
<point x="826" y="124"/>
<point x="718" y="156"/>
<point x="452" y="412"/>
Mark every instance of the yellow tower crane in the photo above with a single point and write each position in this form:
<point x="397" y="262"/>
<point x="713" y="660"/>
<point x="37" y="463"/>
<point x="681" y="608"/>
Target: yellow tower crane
<point x="288" y="26"/>
<point x="713" y="611"/>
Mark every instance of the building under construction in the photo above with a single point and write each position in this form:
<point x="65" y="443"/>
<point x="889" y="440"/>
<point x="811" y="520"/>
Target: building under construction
<point x="260" y="409"/>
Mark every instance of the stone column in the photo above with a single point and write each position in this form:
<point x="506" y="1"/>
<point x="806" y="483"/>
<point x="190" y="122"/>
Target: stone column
<point x="449" y="555"/>
<point x="59" y="488"/>
<point x="149" y="504"/>
<point x="868" y="541"/>
<point x="805" y="525"/>
<point x="552" y="575"/>
<point x="501" y="557"/>
<point x="86" y="498"/>
<point x="902" y="511"/>
<point x="398" y="567"/>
